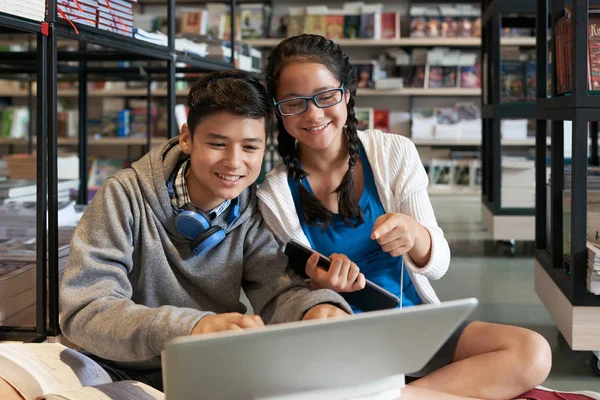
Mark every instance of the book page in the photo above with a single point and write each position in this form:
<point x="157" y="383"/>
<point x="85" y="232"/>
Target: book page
<point x="35" y="369"/>
<point x="123" y="390"/>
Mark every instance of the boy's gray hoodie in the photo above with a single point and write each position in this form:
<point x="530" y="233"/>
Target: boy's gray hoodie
<point x="132" y="283"/>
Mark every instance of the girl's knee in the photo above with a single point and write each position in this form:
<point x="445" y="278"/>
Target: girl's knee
<point x="535" y="357"/>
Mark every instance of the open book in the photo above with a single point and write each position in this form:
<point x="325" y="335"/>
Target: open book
<point x="54" y="372"/>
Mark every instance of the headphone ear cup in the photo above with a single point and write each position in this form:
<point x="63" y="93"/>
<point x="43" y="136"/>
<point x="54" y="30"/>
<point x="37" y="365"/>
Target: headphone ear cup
<point x="191" y="224"/>
<point x="207" y="240"/>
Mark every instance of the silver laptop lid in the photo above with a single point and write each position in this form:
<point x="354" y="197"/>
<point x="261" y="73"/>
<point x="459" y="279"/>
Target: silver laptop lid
<point x="310" y="355"/>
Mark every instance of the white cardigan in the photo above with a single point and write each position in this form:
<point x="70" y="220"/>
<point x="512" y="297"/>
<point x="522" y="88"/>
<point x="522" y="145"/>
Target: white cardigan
<point x="402" y="187"/>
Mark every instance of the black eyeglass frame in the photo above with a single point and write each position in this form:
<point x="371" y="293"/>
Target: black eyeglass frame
<point x="309" y="98"/>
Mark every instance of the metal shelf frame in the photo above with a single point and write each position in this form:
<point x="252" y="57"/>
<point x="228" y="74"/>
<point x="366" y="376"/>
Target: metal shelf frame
<point x="582" y="108"/>
<point x="495" y="15"/>
<point x="44" y="64"/>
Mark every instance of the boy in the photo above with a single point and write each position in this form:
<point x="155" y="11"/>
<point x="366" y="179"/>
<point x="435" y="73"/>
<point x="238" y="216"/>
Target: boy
<point x="134" y="281"/>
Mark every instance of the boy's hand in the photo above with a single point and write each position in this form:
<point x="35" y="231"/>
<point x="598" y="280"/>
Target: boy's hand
<point x="343" y="275"/>
<point x="227" y="322"/>
<point x="324" y="311"/>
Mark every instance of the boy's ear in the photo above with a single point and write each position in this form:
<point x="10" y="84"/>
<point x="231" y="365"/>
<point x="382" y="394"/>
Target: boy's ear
<point x="185" y="139"/>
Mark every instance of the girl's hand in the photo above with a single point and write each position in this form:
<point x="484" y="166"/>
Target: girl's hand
<point x="396" y="233"/>
<point x="343" y="275"/>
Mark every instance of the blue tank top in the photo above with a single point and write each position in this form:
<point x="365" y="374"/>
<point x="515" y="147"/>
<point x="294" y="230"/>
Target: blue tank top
<point x="355" y="242"/>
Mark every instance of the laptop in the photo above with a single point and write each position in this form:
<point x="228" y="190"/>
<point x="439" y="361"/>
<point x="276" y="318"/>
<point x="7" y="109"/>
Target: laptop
<point x="311" y="359"/>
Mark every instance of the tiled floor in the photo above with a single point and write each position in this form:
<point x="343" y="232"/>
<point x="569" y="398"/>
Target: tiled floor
<point x="504" y="287"/>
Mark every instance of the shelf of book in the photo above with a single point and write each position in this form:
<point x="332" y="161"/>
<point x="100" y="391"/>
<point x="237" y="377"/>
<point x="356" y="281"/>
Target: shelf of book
<point x="20" y="24"/>
<point x="421" y="92"/>
<point x="408" y="42"/>
<point x="561" y="265"/>
<point x="181" y="93"/>
<point x="99" y="93"/>
<point x="474" y="142"/>
<point x="108" y="141"/>
<point x="131" y="45"/>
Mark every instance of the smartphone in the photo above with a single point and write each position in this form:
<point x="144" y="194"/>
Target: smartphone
<point x="373" y="297"/>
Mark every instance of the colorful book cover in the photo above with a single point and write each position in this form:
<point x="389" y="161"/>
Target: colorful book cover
<point x="418" y="76"/>
<point x="381" y="120"/>
<point x="436" y="77"/>
<point x="390" y="25"/>
<point x="314" y="24"/>
<point x="367" y="26"/>
<point x="594" y="51"/>
<point x="334" y="26"/>
<point x="351" y="26"/>
<point x="449" y="77"/>
<point x="364" y="117"/>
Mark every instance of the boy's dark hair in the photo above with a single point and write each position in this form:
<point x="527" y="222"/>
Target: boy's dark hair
<point x="317" y="49"/>
<point x="235" y="92"/>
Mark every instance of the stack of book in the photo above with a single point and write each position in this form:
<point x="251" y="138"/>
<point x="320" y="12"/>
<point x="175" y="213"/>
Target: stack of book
<point x="21" y="166"/>
<point x="593" y="271"/>
<point x="115" y="16"/>
<point x="30" y="9"/>
<point x="19" y="220"/>
<point x="80" y="11"/>
<point x="18" y="281"/>
<point x="25" y="190"/>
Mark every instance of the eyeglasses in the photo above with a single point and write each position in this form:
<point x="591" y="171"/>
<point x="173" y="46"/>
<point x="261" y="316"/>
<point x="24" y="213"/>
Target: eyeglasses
<point x="298" y="105"/>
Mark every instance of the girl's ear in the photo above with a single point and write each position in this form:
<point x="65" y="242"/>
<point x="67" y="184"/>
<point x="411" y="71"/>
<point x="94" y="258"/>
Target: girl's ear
<point x="346" y="96"/>
<point x="185" y="139"/>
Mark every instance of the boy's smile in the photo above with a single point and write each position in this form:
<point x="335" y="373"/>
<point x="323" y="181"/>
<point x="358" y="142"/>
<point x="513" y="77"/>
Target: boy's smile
<point x="226" y="154"/>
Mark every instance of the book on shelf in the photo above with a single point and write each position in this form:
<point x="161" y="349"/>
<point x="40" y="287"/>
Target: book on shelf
<point x="593" y="270"/>
<point x="14" y="188"/>
<point x="52" y="371"/>
<point x="365" y="118"/>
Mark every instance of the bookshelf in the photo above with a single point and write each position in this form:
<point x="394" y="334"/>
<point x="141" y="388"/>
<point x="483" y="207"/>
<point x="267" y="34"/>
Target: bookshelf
<point x="499" y="219"/>
<point x="43" y="62"/>
<point x="562" y="289"/>
<point x="408" y="42"/>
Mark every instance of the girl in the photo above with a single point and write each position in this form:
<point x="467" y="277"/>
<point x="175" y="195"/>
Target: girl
<point x="362" y="197"/>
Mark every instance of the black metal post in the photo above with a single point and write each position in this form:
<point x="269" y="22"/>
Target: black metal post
<point x="233" y="12"/>
<point x="41" y="167"/>
<point x="30" y="104"/>
<point x="52" y="186"/>
<point x="556" y="192"/>
<point x="171" y="128"/>
<point x="578" y="202"/>
<point x="82" y="197"/>
<point x="594" y="143"/>
<point x="494" y="52"/>
<point x="541" y="130"/>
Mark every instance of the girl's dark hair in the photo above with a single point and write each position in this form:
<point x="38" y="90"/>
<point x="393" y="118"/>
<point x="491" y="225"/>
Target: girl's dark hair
<point x="235" y="92"/>
<point x="317" y="49"/>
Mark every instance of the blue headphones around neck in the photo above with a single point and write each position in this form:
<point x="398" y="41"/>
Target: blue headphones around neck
<point x="195" y="225"/>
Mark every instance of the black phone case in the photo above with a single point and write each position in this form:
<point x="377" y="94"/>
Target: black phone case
<point x="372" y="298"/>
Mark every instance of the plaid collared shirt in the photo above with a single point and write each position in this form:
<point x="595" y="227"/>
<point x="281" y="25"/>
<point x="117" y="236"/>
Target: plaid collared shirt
<point x="180" y="197"/>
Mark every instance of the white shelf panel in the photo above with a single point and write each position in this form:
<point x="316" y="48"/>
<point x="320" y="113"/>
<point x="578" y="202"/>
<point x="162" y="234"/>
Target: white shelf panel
<point x="460" y="42"/>
<point x="421" y="92"/>
<point x="473" y="142"/>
